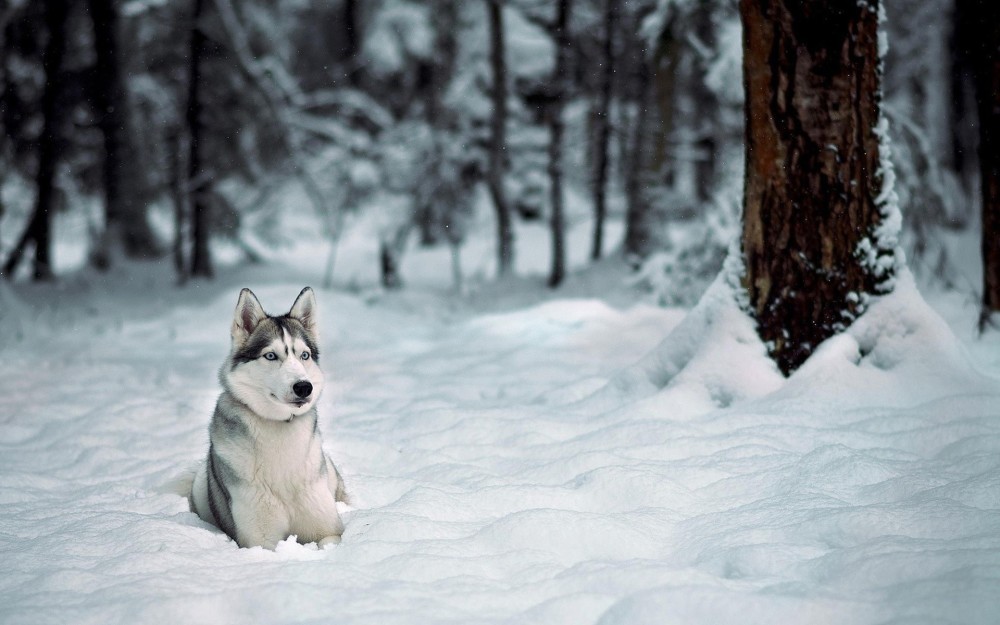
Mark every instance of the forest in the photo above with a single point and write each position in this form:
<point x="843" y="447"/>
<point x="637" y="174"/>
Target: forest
<point x="165" y="127"/>
<point x="630" y="311"/>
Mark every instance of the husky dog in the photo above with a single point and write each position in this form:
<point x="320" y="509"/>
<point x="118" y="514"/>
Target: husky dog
<point x="266" y="476"/>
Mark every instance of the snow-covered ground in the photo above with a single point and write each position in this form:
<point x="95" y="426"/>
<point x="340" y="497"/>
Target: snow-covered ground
<point x="564" y="462"/>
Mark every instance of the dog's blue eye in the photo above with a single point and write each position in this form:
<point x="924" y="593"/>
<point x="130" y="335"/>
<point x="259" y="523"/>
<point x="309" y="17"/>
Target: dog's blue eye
<point x="305" y="355"/>
<point x="271" y="356"/>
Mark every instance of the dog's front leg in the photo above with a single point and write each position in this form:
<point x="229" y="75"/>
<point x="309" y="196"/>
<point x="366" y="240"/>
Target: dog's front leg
<point x="260" y="520"/>
<point x="318" y="520"/>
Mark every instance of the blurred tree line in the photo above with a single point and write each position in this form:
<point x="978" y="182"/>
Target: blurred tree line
<point x="203" y="110"/>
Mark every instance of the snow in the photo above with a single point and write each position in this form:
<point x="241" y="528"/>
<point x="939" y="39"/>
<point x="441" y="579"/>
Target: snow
<point x="398" y="31"/>
<point x="560" y="462"/>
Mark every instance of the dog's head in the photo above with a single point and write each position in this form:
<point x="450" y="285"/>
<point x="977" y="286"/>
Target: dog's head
<point x="273" y="366"/>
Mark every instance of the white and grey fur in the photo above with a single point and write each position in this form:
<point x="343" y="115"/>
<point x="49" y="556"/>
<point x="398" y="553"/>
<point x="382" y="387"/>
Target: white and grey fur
<point x="266" y="476"/>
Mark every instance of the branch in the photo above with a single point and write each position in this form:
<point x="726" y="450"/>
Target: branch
<point x="277" y="103"/>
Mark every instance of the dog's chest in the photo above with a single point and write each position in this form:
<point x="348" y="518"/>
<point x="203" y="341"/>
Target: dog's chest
<point x="288" y="458"/>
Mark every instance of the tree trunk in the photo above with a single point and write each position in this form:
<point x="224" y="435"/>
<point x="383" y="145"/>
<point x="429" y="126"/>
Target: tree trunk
<point x="40" y="226"/>
<point x="431" y="205"/>
<point x="706" y="120"/>
<point x="639" y="240"/>
<point x="814" y="192"/>
<point x="556" y="127"/>
<point x="457" y="280"/>
<point x="390" y="251"/>
<point x="603" y="129"/>
<point x="125" y="219"/>
<point x="498" y="141"/>
<point x="352" y="41"/>
<point x="175" y="148"/>
<point x="644" y="220"/>
<point x="962" y="43"/>
<point x="662" y="163"/>
<point x="198" y="181"/>
<point x="987" y="88"/>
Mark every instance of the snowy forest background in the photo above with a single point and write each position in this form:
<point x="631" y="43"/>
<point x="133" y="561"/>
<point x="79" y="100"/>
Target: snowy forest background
<point x="584" y="364"/>
<point x="279" y="123"/>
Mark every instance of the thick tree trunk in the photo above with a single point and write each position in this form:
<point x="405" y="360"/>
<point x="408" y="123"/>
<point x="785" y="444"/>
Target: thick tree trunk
<point x="556" y="127"/>
<point x="198" y="182"/>
<point x="108" y="106"/>
<point x="963" y="42"/>
<point x="40" y="226"/>
<point x="812" y="77"/>
<point x="125" y="218"/>
<point x="602" y="115"/>
<point x="498" y="140"/>
<point x="987" y="81"/>
<point x="5" y="85"/>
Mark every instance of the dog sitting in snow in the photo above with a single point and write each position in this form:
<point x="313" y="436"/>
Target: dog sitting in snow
<point x="266" y="476"/>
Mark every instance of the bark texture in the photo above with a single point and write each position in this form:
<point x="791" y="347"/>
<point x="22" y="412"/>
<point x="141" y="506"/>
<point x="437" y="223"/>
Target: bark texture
<point x="812" y="78"/>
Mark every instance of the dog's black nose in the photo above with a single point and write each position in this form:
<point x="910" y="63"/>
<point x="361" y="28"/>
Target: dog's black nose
<point x="302" y="389"/>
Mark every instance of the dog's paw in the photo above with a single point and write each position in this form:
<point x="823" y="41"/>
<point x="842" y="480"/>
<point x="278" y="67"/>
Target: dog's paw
<point x="329" y="540"/>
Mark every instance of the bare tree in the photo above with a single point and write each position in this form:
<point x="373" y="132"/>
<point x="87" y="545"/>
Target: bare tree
<point x="560" y="31"/>
<point x="985" y="41"/>
<point x="814" y="192"/>
<point x="125" y="218"/>
<point x="198" y="182"/>
<point x="352" y="42"/>
<point x="39" y="228"/>
<point x="963" y="42"/>
<point x="643" y="220"/>
<point x="498" y="140"/>
<point x="602" y="116"/>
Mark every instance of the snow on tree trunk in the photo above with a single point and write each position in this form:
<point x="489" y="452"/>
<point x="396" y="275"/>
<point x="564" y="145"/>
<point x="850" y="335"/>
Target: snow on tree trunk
<point x="498" y="140"/>
<point x="817" y="183"/>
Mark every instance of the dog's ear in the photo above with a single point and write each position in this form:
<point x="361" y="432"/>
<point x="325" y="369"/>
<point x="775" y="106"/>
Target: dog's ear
<point x="304" y="309"/>
<point x="247" y="316"/>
